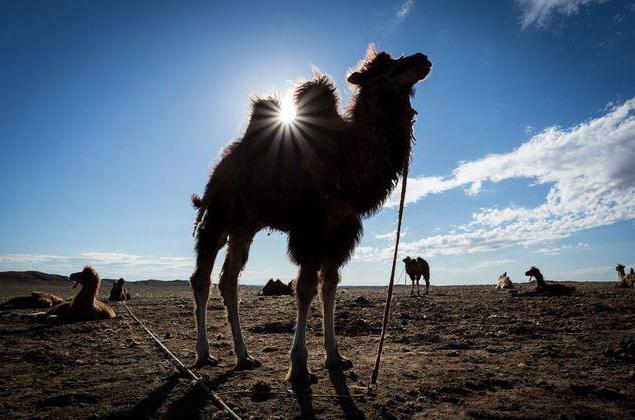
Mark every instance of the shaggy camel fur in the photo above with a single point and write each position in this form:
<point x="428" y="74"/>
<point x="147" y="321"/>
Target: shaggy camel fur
<point x="504" y="282"/>
<point x="118" y="292"/>
<point x="35" y="300"/>
<point x="314" y="178"/>
<point x="625" y="280"/>
<point x="416" y="269"/>
<point x="548" y="289"/>
<point x="85" y="305"/>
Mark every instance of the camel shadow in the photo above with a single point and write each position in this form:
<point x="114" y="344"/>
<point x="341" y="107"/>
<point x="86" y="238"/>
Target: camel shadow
<point x="193" y="403"/>
<point x="344" y="399"/>
<point x="303" y="397"/>
<point x="150" y="405"/>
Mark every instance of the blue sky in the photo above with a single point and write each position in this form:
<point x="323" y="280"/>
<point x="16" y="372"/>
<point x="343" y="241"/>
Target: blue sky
<point x="113" y="112"/>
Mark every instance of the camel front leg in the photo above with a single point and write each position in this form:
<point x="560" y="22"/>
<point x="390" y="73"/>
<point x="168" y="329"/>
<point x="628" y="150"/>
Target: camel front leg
<point x="328" y="287"/>
<point x="418" y="290"/>
<point x="412" y="291"/>
<point x="299" y="373"/>
<point x="237" y="254"/>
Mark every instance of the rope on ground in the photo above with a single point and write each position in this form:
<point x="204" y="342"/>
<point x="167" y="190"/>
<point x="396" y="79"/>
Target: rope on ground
<point x="384" y="327"/>
<point x="183" y="369"/>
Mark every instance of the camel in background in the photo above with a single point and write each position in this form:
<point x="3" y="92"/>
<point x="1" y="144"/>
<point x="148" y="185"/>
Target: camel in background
<point x="548" y="289"/>
<point x="504" y="282"/>
<point x="625" y="280"/>
<point x="118" y="292"/>
<point x="34" y="300"/>
<point x="314" y="178"/>
<point x="417" y="268"/>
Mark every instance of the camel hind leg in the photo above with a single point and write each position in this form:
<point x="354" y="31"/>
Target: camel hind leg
<point x="211" y="237"/>
<point x="237" y="254"/>
<point x="299" y="373"/>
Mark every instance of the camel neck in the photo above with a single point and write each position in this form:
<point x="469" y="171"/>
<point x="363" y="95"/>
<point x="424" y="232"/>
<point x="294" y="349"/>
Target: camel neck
<point x="540" y="280"/>
<point x="621" y="274"/>
<point x="87" y="295"/>
<point x="382" y="139"/>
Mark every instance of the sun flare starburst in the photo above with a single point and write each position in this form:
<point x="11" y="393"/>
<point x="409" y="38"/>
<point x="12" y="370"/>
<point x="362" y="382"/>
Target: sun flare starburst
<point x="287" y="110"/>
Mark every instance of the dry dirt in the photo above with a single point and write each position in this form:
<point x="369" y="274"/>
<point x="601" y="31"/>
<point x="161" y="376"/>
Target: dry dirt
<point x="464" y="351"/>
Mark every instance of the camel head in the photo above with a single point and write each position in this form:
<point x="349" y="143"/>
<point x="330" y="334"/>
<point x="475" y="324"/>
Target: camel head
<point x="533" y="272"/>
<point x="120" y="282"/>
<point x="385" y="75"/>
<point x="407" y="260"/>
<point x="87" y="275"/>
<point x="620" y="269"/>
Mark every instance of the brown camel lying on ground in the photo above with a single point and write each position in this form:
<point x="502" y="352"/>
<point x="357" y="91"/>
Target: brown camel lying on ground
<point x="314" y="178"/>
<point x="504" y="282"/>
<point x="548" y="289"/>
<point x="85" y="305"/>
<point x="35" y="300"/>
<point x="625" y="280"/>
<point x="415" y="269"/>
<point x="118" y="292"/>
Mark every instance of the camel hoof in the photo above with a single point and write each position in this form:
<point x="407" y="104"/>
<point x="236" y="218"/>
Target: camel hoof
<point x="338" y="364"/>
<point x="247" y="363"/>
<point x="301" y="380"/>
<point x="206" y="361"/>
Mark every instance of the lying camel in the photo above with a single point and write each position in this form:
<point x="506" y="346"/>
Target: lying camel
<point x="118" y="293"/>
<point x="630" y="278"/>
<point x="625" y="280"/>
<point x="35" y="300"/>
<point x="548" y="289"/>
<point x="504" y="282"/>
<point x="85" y="305"/>
<point x="417" y="268"/>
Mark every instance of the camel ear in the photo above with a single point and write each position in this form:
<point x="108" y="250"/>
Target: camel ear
<point x="356" y="78"/>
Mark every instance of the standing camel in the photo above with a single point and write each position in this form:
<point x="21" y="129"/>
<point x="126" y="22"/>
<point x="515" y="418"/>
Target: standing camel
<point x="314" y="178"/>
<point x="417" y="268"/>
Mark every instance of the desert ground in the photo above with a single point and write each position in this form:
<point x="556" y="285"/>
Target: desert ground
<point x="460" y="352"/>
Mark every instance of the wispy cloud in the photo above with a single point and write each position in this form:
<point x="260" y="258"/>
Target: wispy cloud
<point x="540" y="12"/>
<point x="559" y="249"/>
<point x="590" y="168"/>
<point x="404" y="9"/>
<point x="605" y="272"/>
<point x="390" y="236"/>
<point x="109" y="264"/>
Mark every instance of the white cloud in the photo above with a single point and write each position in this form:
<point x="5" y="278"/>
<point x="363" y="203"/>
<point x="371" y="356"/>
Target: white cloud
<point x="109" y="264"/>
<point x="404" y="9"/>
<point x="390" y="236"/>
<point x="588" y="273"/>
<point x="558" y="249"/>
<point x="589" y="167"/>
<point x="541" y="12"/>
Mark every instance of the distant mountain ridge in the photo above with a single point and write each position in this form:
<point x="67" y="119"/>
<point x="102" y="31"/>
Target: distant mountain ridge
<point x="43" y="279"/>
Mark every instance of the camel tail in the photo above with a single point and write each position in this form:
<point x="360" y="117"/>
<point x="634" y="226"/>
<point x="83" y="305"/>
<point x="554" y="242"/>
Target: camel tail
<point x="198" y="203"/>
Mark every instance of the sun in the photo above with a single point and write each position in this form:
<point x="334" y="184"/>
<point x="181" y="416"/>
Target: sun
<point x="287" y="110"/>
